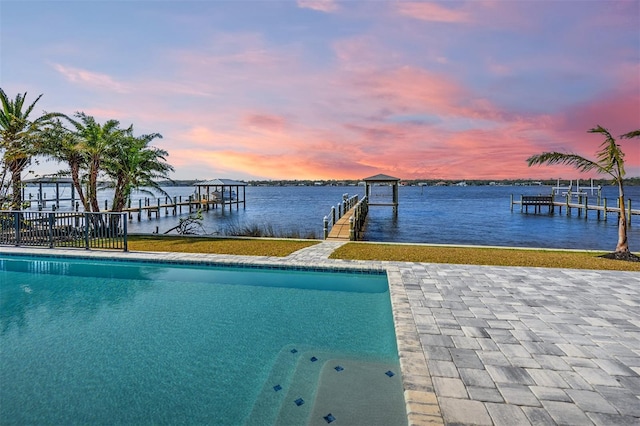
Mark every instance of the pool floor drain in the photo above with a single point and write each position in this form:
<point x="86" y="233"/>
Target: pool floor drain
<point x="329" y="418"/>
<point x="299" y="401"/>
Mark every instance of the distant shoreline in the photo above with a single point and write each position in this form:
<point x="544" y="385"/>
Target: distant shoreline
<point x="635" y="181"/>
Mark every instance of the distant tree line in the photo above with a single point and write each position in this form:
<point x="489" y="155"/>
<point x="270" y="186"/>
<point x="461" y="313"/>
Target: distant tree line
<point x="93" y="152"/>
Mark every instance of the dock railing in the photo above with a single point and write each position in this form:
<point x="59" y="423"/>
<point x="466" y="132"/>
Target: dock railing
<point x="335" y="224"/>
<point x="357" y="219"/>
<point x="64" y="229"/>
<point x="581" y="205"/>
<point x="337" y="212"/>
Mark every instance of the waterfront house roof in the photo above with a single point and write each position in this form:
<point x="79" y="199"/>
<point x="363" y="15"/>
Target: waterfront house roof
<point x="220" y="182"/>
<point x="381" y="178"/>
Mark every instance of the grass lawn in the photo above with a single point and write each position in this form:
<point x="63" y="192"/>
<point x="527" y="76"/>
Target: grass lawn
<point x="237" y="246"/>
<point x="390" y="252"/>
<point x="482" y="256"/>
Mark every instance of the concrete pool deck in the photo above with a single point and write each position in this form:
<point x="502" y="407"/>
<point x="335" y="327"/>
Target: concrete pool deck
<point x="493" y="345"/>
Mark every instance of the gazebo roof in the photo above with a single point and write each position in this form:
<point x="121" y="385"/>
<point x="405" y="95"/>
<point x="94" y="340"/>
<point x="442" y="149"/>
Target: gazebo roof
<point x="220" y="182"/>
<point x="381" y="178"/>
<point x="48" y="179"/>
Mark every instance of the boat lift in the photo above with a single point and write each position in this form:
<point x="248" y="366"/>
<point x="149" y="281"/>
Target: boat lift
<point x="580" y="191"/>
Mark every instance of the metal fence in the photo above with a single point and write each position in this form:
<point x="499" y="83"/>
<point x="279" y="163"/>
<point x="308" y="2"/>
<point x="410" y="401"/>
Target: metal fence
<point x="64" y="229"/>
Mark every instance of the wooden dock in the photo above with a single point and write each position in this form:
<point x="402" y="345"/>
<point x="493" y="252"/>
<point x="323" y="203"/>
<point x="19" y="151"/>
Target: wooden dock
<point x="339" y="226"/>
<point x="341" y="230"/>
<point x="582" y="205"/>
<point x="176" y="205"/>
<point x="154" y="208"/>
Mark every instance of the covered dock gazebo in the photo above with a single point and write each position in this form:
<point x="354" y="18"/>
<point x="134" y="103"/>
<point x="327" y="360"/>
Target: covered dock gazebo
<point x="49" y="181"/>
<point x="222" y="191"/>
<point x="383" y="180"/>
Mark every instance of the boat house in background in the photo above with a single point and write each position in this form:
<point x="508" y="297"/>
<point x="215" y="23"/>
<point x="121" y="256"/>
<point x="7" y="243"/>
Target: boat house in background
<point x="383" y="180"/>
<point x="40" y="199"/>
<point x="222" y="191"/>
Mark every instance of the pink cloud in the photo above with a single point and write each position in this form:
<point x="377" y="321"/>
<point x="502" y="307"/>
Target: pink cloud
<point x="267" y="122"/>
<point x="433" y="12"/>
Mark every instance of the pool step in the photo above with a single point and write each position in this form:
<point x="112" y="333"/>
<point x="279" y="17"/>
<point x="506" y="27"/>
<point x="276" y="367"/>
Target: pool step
<point x="315" y="387"/>
<point x="362" y="393"/>
<point x="348" y="391"/>
<point x="267" y="405"/>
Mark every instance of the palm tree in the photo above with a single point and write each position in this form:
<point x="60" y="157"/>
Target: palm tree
<point x="95" y="142"/>
<point x="610" y="161"/>
<point x="133" y="164"/>
<point x="61" y="144"/>
<point x="19" y="138"/>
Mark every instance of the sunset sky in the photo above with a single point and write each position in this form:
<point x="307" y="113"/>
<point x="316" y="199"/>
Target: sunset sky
<point x="323" y="89"/>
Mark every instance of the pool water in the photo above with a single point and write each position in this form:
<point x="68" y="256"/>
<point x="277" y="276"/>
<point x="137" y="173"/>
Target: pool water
<point x="92" y="342"/>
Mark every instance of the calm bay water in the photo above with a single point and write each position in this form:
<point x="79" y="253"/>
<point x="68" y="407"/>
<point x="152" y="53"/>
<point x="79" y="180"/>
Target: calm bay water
<point x="476" y="215"/>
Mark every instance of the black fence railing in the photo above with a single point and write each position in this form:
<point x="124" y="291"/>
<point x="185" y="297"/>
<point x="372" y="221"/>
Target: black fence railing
<point x="64" y="229"/>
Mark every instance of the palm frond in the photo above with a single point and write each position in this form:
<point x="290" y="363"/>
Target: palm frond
<point x="632" y="134"/>
<point x="551" y="158"/>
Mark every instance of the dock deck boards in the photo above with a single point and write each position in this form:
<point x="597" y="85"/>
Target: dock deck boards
<point x="341" y="230"/>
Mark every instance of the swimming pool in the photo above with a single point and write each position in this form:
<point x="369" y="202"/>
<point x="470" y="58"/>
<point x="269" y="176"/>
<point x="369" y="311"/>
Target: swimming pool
<point x="95" y="341"/>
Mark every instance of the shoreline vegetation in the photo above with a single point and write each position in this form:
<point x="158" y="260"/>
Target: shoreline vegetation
<point x="395" y="252"/>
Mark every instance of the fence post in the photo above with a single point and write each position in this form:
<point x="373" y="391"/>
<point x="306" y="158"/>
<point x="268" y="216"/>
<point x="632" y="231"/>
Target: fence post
<point x="326" y="227"/>
<point x="124" y="229"/>
<point x="86" y="231"/>
<point x="16" y="224"/>
<point x="352" y="233"/>
<point x="51" y="221"/>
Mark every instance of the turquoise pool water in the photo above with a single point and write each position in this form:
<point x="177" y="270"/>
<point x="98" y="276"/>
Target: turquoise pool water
<point x="101" y="342"/>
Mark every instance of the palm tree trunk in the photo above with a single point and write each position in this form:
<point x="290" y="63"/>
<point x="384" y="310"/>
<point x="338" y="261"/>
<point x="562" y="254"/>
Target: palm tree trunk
<point x="119" y="197"/>
<point x="16" y="167"/>
<point x="75" y="177"/>
<point x="623" y="243"/>
<point x="93" y="186"/>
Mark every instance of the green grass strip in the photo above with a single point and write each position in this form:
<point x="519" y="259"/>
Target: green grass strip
<point x="235" y="246"/>
<point x="482" y="256"/>
<point x="572" y="259"/>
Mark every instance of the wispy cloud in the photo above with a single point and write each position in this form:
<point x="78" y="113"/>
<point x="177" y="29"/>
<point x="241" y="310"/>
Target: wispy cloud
<point x="319" y="5"/>
<point x="91" y="79"/>
<point x="266" y="122"/>
<point x="433" y="12"/>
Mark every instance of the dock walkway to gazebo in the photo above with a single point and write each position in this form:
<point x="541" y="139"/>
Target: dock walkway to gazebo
<point x="348" y="225"/>
<point x="341" y="230"/>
